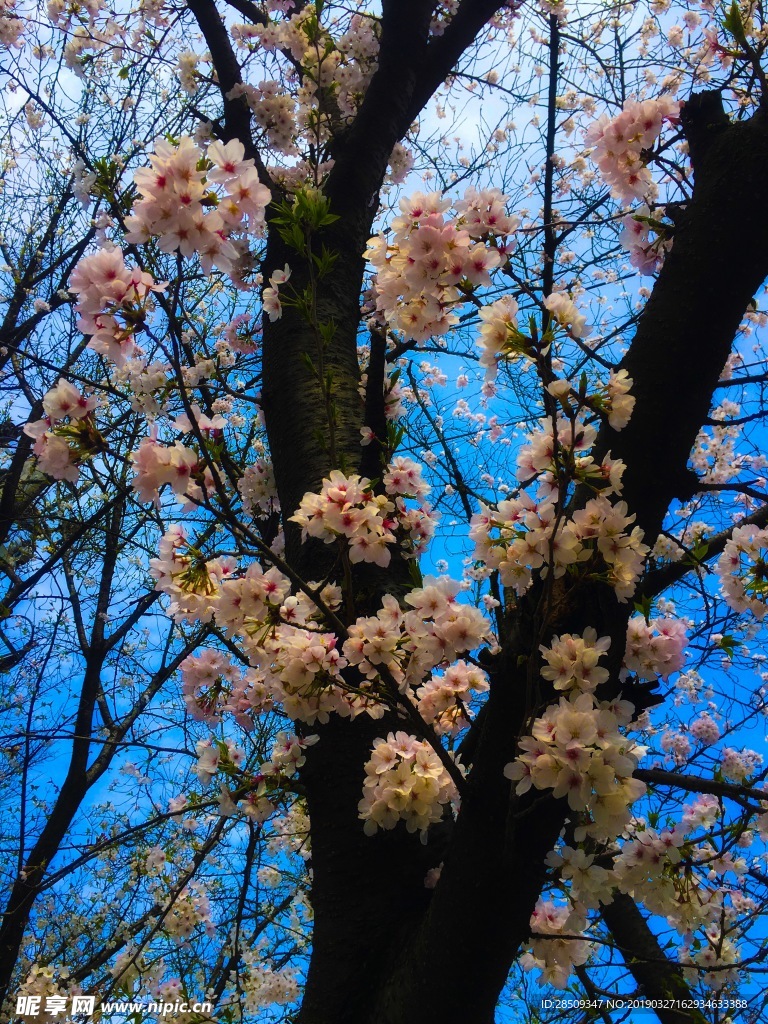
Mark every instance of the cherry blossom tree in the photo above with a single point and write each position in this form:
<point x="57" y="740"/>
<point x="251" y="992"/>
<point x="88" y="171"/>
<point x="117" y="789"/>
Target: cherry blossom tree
<point x="385" y="476"/>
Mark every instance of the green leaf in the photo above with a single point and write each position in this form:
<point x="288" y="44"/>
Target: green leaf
<point x="395" y="435"/>
<point x="414" y="571"/>
<point x="327" y="331"/>
<point x="728" y="644"/>
<point x="699" y="551"/>
<point x="733" y="24"/>
<point x="324" y="261"/>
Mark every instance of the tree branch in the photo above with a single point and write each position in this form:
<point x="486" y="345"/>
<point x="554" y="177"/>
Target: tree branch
<point x="658" y="977"/>
<point x="658" y="580"/>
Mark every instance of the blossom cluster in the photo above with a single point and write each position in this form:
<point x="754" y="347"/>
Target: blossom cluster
<point x="576" y="750"/>
<point x="256" y="794"/>
<point x="434" y="629"/>
<point x="589" y="883"/>
<point x="259" y="985"/>
<point x="293" y="659"/>
<point x="205" y="678"/>
<point x="60" y="445"/>
<point x="645" y="254"/>
<point x="565" y="312"/>
<point x="294" y="662"/>
<point x="406" y="781"/>
<point x="358" y="48"/>
<point x="215" y="755"/>
<point x="715" y="962"/>
<point x="90" y="26"/>
<point x="190" y="909"/>
<point x="742" y="570"/>
<point x="678" y="875"/>
<point x="344" y="65"/>
<point x="655" y="648"/>
<point x="422" y="272"/>
<point x="572" y="661"/>
<point x="645" y="857"/>
<point x="156" y="465"/>
<point x="11" y="27"/>
<point x="674" y="872"/>
<point x="552" y="456"/>
<point x="347" y="507"/>
<point x="739" y="765"/>
<point x="705" y="729"/>
<point x="611" y="399"/>
<point x="644" y="865"/>
<point x="556" y="957"/>
<point x="521" y="536"/>
<point x="258" y="489"/>
<point x="46" y="982"/>
<point x="620" y="144"/>
<point x="532" y="535"/>
<point x="499" y="337"/>
<point x="113" y="301"/>
<point x="714" y="456"/>
<point x="444" y="698"/>
<point x="222" y="758"/>
<point x="179" y="204"/>
<point x="287" y="754"/>
<point x="212" y="686"/>
<point x="616" y="400"/>
<point x="270" y="297"/>
<point x="274" y="112"/>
